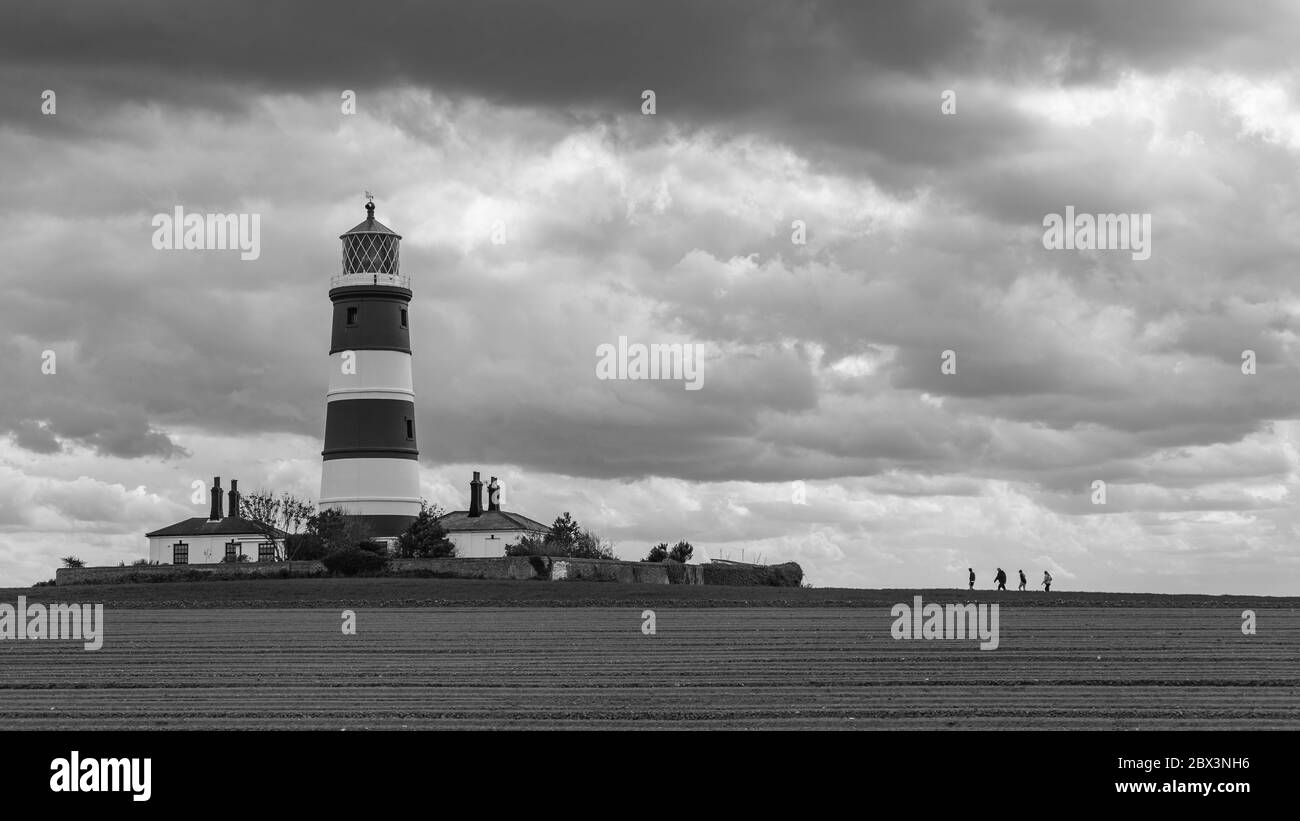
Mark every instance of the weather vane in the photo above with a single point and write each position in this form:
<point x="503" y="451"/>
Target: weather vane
<point x="370" y="196"/>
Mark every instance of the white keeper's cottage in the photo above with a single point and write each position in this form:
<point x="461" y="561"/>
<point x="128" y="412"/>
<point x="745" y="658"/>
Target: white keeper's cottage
<point x="479" y="533"/>
<point x="212" y="540"/>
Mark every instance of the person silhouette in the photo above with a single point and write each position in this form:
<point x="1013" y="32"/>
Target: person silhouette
<point x="972" y="577"/>
<point x="1001" y="579"/>
<point x="1022" y="580"/>
<point x="1047" y="581"/>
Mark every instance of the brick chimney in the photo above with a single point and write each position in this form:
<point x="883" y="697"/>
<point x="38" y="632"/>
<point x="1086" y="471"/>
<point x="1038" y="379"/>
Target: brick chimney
<point x="476" y="496"/>
<point x="216" y="499"/>
<point x="234" y="499"/>
<point x="494" y="500"/>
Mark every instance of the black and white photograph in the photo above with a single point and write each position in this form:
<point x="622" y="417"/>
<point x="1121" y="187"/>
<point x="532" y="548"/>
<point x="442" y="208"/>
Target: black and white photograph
<point x="410" y="374"/>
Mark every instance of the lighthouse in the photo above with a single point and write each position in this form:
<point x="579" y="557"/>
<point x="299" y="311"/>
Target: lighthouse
<point x="370" y="470"/>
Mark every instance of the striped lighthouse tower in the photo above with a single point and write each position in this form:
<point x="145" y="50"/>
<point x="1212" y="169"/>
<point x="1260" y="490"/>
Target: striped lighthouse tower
<point x="370" y="469"/>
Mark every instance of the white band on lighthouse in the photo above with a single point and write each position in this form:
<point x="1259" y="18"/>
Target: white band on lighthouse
<point x="345" y="480"/>
<point x="367" y="370"/>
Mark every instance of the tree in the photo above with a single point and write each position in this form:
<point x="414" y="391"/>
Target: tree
<point x="424" y="538"/>
<point x="73" y="561"/>
<point x="681" y="552"/>
<point x="329" y="526"/>
<point x="294" y="512"/>
<point x="657" y="553"/>
<point x="274" y="515"/>
<point x="564" y="531"/>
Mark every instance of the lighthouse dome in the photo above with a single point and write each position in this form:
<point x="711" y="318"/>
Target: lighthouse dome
<point x="371" y="247"/>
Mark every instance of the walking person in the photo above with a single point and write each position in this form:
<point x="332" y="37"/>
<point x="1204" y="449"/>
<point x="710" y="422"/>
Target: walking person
<point x="1047" y="581"/>
<point x="1022" y="580"/>
<point x="972" y="577"/>
<point x="1001" y="579"/>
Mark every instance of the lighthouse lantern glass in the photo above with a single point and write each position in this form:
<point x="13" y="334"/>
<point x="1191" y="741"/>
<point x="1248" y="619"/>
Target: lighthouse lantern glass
<point x="370" y="254"/>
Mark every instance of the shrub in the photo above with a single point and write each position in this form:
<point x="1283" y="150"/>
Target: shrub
<point x="73" y="561"/>
<point x="585" y="545"/>
<point x="238" y="557"/>
<point x="143" y="563"/>
<point x="529" y="545"/>
<point x="304" y="547"/>
<point x="49" y="583"/>
<point x="336" y="530"/>
<point x="353" y="560"/>
<point x="588" y="545"/>
<point x="657" y="553"/>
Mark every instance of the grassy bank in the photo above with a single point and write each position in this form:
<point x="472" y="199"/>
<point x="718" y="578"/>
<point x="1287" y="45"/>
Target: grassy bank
<point x="405" y="592"/>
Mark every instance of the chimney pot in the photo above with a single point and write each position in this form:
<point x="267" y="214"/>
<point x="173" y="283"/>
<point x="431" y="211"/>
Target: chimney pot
<point x="215" y="513"/>
<point x="476" y="496"/>
<point x="234" y="499"/>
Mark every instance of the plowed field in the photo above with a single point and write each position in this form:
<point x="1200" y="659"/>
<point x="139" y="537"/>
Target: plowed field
<point x="269" y="667"/>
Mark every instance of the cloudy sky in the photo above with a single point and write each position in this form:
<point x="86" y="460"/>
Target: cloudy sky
<point x="822" y="360"/>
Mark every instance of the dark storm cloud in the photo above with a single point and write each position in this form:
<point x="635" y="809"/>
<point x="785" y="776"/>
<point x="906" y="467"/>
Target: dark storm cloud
<point x="1108" y="36"/>
<point x="724" y="56"/>
<point x="35" y="437"/>
<point x="857" y="83"/>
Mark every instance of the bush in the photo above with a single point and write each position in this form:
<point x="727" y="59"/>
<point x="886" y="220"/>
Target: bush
<point x="353" y="560"/>
<point x="238" y="557"/>
<point x="73" y="561"/>
<point x="565" y="539"/>
<point x="49" y="583"/>
<point x="585" y="545"/>
<point x="532" y="545"/>
<point x="657" y="553"/>
<point x="336" y="530"/>
<point x="304" y="547"/>
<point x="143" y="563"/>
